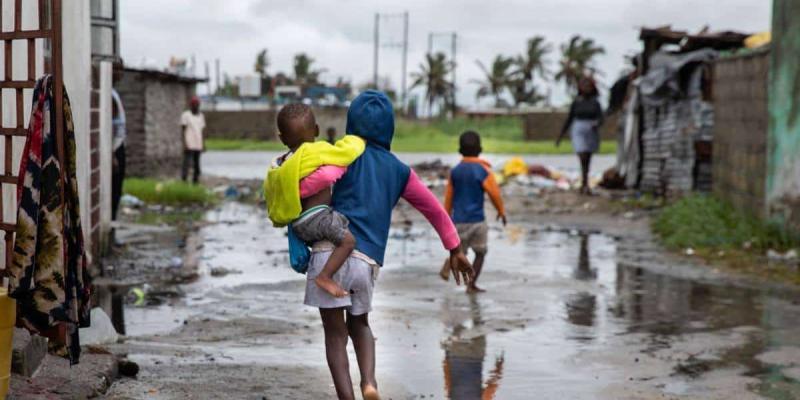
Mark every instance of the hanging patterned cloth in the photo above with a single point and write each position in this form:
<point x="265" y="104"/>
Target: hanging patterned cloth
<point x="49" y="278"/>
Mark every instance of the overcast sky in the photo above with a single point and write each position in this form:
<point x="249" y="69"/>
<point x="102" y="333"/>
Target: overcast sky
<point x="338" y="34"/>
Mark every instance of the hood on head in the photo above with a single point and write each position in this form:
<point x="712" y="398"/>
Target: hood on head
<point x="371" y="117"/>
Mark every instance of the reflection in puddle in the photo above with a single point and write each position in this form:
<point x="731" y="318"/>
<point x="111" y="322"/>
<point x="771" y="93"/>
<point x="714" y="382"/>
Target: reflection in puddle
<point x="465" y="351"/>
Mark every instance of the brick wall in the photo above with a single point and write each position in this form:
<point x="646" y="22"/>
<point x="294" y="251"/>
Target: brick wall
<point x="740" y="130"/>
<point x="152" y="109"/>
<point x="260" y="125"/>
<point x="94" y="163"/>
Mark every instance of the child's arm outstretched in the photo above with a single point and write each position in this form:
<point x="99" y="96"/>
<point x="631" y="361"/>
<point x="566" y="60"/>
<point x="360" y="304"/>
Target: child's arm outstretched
<point x="418" y="195"/>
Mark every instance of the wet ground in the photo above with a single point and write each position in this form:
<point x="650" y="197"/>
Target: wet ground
<point x="250" y="164"/>
<point x="568" y="314"/>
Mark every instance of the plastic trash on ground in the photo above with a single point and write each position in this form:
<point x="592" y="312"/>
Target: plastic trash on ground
<point x="130" y="201"/>
<point x="515" y="166"/>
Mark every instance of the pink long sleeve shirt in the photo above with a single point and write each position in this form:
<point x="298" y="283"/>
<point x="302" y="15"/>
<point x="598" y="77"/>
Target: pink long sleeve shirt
<point x="415" y="193"/>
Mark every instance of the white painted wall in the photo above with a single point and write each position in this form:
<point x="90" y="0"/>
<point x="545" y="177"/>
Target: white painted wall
<point x="105" y="148"/>
<point x="77" y="58"/>
<point x="76" y="47"/>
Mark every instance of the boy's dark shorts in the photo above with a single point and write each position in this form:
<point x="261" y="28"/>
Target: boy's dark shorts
<point x="322" y="225"/>
<point x="474" y="236"/>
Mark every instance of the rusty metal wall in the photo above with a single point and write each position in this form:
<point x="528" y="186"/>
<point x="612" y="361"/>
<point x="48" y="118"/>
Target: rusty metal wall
<point x="783" y="164"/>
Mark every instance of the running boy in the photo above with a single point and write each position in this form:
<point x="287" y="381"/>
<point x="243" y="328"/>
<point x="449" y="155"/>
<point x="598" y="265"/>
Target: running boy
<point x="463" y="200"/>
<point x="298" y="189"/>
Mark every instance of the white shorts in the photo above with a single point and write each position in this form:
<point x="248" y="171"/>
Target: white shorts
<point x="356" y="276"/>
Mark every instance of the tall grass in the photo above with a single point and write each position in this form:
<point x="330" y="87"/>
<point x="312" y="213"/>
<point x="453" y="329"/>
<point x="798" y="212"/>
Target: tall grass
<point x="173" y="193"/>
<point x="701" y="221"/>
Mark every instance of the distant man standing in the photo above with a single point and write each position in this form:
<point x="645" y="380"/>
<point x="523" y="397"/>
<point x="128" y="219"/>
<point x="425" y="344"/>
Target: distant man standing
<point x="192" y="124"/>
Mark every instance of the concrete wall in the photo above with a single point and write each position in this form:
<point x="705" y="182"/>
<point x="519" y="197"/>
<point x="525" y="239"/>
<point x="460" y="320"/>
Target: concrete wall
<point x="153" y="107"/>
<point x="547" y="125"/>
<point x="260" y="125"/>
<point x="164" y="154"/>
<point x="740" y="130"/>
<point x="783" y="163"/>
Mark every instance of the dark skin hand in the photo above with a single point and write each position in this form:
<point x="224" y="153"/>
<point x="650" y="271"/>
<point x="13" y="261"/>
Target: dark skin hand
<point x="460" y="267"/>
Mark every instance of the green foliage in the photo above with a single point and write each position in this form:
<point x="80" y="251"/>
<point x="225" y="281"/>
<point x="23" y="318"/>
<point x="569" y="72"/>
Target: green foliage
<point x="703" y="222"/>
<point x="432" y="76"/>
<point x="498" y="134"/>
<point x="174" y="193"/>
<point x="577" y="60"/>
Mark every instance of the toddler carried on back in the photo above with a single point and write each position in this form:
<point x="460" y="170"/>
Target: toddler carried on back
<point x="298" y="189"/>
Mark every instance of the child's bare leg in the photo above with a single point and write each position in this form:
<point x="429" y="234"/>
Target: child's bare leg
<point x="338" y="257"/>
<point x="364" y="344"/>
<point x="477" y="265"/>
<point x="445" y="271"/>
<point x="336" y="351"/>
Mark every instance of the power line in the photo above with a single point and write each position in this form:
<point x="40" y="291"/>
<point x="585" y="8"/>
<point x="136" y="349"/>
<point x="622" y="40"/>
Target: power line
<point x="403" y="45"/>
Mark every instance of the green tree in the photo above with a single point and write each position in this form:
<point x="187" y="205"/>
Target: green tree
<point x="304" y="75"/>
<point x="533" y="62"/>
<point x="432" y="75"/>
<point x="496" y="80"/>
<point x="530" y="64"/>
<point x="262" y="63"/>
<point x="577" y="60"/>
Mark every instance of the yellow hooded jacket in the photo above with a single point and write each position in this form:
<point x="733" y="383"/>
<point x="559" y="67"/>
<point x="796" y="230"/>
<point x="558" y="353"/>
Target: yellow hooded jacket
<point x="282" y="185"/>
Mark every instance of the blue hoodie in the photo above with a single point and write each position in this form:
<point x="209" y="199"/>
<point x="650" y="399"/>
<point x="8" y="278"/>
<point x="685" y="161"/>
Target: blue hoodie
<point x="373" y="184"/>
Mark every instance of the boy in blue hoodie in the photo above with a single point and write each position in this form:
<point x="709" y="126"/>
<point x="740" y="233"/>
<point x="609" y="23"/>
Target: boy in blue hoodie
<point x="366" y="195"/>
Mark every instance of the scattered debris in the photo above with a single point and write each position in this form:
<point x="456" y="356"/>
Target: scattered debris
<point x="219" y="272"/>
<point x="128" y="200"/>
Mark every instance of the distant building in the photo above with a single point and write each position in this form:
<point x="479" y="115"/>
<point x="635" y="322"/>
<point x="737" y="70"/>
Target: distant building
<point x="154" y="101"/>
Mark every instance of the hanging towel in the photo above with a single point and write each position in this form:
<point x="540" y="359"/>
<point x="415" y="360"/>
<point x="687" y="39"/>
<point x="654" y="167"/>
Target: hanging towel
<point x="282" y="185"/>
<point x="49" y="276"/>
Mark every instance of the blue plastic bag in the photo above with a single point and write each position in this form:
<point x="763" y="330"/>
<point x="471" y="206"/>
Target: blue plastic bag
<point x="299" y="255"/>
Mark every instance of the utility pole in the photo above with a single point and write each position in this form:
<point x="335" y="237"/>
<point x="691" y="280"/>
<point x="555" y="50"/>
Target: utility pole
<point x="216" y="80"/>
<point x="405" y="61"/>
<point x="377" y="46"/>
<point x="453" y="59"/>
<point x="402" y="45"/>
<point x="208" y="78"/>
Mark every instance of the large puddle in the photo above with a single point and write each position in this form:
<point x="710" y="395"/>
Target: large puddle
<point x="562" y="318"/>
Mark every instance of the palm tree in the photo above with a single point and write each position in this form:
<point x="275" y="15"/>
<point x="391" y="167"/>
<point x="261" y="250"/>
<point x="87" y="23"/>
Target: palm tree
<point x="533" y="62"/>
<point x="433" y="76"/>
<point x="528" y="65"/>
<point x="262" y="63"/>
<point x="523" y="93"/>
<point x="577" y="60"/>
<point x="495" y="80"/>
<point x="303" y="74"/>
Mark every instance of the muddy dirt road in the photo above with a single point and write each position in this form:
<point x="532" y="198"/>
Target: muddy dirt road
<point x="568" y="314"/>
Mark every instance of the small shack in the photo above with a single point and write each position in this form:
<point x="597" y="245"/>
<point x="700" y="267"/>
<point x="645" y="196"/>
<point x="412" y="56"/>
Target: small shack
<point x="666" y="128"/>
<point x="154" y="101"/>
